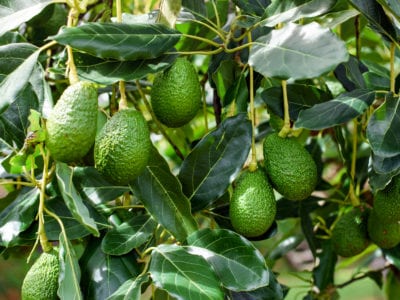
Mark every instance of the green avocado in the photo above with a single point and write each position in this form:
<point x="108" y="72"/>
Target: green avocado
<point x="350" y="235"/>
<point x="387" y="201"/>
<point x="122" y="148"/>
<point x="41" y="281"/>
<point x="383" y="233"/>
<point x="253" y="206"/>
<point x="72" y="123"/>
<point x="176" y="94"/>
<point x="290" y="167"/>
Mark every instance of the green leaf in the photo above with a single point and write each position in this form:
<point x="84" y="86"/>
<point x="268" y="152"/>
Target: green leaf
<point x="323" y="273"/>
<point x="336" y="111"/>
<point x="70" y="273"/>
<point x="107" y="71"/>
<point x="237" y="263"/>
<point x="72" y="198"/>
<point x="350" y="73"/>
<point x="392" y="285"/>
<point x="290" y="11"/>
<point x="392" y="6"/>
<point x="253" y="7"/>
<point x="183" y="275"/>
<point x="382" y="130"/>
<point x="297" y="52"/>
<point x="161" y="194"/>
<point x="14" y="13"/>
<point x="130" y="289"/>
<point x="131" y="234"/>
<point x="18" y="216"/>
<point x="215" y="161"/>
<point x="120" y="41"/>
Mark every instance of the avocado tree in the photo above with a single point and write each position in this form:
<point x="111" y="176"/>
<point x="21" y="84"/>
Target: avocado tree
<point x="288" y="110"/>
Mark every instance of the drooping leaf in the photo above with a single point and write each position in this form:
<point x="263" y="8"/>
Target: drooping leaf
<point x="70" y="273"/>
<point x="72" y="198"/>
<point x="183" y="275"/>
<point x="18" y="216"/>
<point x="237" y="263"/>
<point x="14" y="13"/>
<point x="382" y="129"/>
<point x="161" y="194"/>
<point x="392" y="6"/>
<point x="130" y="289"/>
<point x="215" y="161"/>
<point x="108" y="71"/>
<point x="131" y="234"/>
<point x="350" y="74"/>
<point x="385" y="165"/>
<point x="336" y="111"/>
<point x="120" y="41"/>
<point x="297" y="52"/>
<point x="290" y="11"/>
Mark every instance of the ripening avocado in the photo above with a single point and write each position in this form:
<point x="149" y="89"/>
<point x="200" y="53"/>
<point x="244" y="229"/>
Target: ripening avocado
<point x="350" y="235"/>
<point x="122" y="148"/>
<point x="176" y="94"/>
<point x="290" y="167"/>
<point x="387" y="201"/>
<point x="253" y="206"/>
<point x="72" y="123"/>
<point x="41" y="281"/>
<point x="384" y="234"/>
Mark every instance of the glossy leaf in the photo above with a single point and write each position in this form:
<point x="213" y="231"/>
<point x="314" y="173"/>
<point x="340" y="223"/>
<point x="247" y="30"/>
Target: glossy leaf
<point x="72" y="198"/>
<point x="323" y="273"/>
<point x="70" y="273"/>
<point x="336" y="111"/>
<point x="120" y="41"/>
<point x="215" y="161"/>
<point x="18" y="216"/>
<point x="256" y="7"/>
<point x="237" y="263"/>
<point x="131" y="234"/>
<point x="14" y="13"/>
<point x="297" y="52"/>
<point x="130" y="289"/>
<point x="183" y="275"/>
<point x="161" y="194"/>
<point x="393" y="6"/>
<point x="291" y="11"/>
<point x="382" y="130"/>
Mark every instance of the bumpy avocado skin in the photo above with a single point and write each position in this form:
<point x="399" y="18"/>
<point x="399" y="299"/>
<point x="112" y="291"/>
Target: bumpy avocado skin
<point x="122" y="148"/>
<point x="384" y="234"/>
<point x="176" y="94"/>
<point x="71" y="125"/>
<point x="290" y="167"/>
<point x="253" y="206"/>
<point x="387" y="201"/>
<point x="350" y="235"/>
<point x="41" y="281"/>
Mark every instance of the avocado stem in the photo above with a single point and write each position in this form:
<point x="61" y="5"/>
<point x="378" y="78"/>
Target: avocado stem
<point x="72" y="71"/>
<point x="253" y="163"/>
<point x="286" y="116"/>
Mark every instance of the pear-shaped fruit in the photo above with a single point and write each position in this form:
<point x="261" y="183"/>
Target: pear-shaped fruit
<point x="290" y="167"/>
<point x="122" y="148"/>
<point x="253" y="205"/>
<point x="383" y="233"/>
<point x="387" y="201"/>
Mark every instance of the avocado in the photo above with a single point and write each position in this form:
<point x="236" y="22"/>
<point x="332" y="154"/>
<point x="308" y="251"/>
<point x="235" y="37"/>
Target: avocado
<point x="253" y="206"/>
<point x="41" y="281"/>
<point x="387" y="201"/>
<point x="290" y="167"/>
<point x="350" y="235"/>
<point x="72" y="123"/>
<point x="176" y="94"/>
<point x="122" y="148"/>
<point x="383" y="233"/>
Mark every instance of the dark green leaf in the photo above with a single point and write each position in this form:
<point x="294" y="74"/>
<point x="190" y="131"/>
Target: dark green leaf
<point x="253" y="7"/>
<point x="290" y="11"/>
<point x="237" y="263"/>
<point x="340" y="110"/>
<point x="379" y="181"/>
<point x="120" y="41"/>
<point x="131" y="234"/>
<point x="72" y="198"/>
<point x="350" y="74"/>
<point x="393" y="255"/>
<point x="107" y="71"/>
<point x="392" y="6"/>
<point x="11" y="37"/>
<point x="18" y="216"/>
<point x="385" y="165"/>
<point x="300" y="97"/>
<point x="324" y="272"/>
<point x="333" y="19"/>
<point x="392" y="285"/>
<point x="382" y="130"/>
<point x="197" y="7"/>
<point x="215" y="161"/>
<point x="130" y="289"/>
<point x="14" y="13"/>
<point x="376" y="82"/>
<point x="183" y="275"/>
<point x="70" y="273"/>
<point x="224" y="77"/>
<point x="161" y="193"/>
<point x="297" y="52"/>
